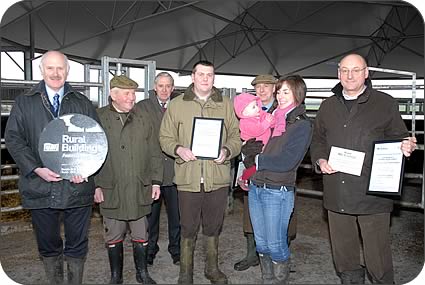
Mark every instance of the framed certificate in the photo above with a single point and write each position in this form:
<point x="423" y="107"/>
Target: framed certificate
<point x="206" y="137"/>
<point x="386" y="176"/>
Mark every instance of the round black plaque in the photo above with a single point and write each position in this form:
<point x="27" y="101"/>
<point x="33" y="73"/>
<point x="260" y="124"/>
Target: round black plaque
<point x="73" y="144"/>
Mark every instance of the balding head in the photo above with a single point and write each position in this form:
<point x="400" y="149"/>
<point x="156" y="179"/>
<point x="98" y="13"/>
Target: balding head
<point x="353" y="58"/>
<point x="352" y="73"/>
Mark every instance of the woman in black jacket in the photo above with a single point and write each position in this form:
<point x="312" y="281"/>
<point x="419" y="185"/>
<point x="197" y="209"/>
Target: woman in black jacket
<point x="271" y="192"/>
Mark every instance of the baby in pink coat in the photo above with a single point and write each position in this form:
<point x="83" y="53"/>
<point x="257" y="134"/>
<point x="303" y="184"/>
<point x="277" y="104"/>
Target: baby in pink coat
<point x="254" y="123"/>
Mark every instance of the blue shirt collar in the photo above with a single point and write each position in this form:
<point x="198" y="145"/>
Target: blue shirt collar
<point x="268" y="106"/>
<point x="51" y="93"/>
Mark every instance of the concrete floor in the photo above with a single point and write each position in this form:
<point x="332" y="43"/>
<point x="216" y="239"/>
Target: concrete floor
<point x="311" y="255"/>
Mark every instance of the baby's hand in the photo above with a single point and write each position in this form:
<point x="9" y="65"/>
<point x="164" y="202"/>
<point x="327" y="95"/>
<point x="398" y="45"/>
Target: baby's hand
<point x="269" y="117"/>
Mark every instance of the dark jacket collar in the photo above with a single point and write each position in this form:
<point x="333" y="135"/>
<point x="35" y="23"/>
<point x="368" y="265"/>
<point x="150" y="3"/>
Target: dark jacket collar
<point x="189" y="95"/>
<point x="337" y="90"/>
<point x="296" y="113"/>
<point x="40" y="88"/>
<point x="152" y="96"/>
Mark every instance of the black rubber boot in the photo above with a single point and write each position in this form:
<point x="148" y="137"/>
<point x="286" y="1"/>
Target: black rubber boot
<point x="212" y="272"/>
<point x="281" y="271"/>
<point x="251" y="258"/>
<point x="140" y="254"/>
<point x="75" y="268"/>
<point x="116" y="260"/>
<point x="187" y="245"/>
<point x="53" y="265"/>
<point x="267" y="274"/>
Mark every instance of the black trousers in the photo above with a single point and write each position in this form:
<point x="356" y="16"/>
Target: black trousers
<point x="170" y="197"/>
<point x="47" y="227"/>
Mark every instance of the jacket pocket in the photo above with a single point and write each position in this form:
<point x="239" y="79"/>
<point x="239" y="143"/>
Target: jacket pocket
<point x="144" y="193"/>
<point x="221" y="173"/>
<point x="184" y="173"/>
<point x="34" y="186"/>
<point x="111" y="198"/>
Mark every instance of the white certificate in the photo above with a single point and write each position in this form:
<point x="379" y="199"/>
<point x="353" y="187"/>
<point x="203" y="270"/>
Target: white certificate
<point x="387" y="168"/>
<point x="206" y="137"/>
<point x="346" y="160"/>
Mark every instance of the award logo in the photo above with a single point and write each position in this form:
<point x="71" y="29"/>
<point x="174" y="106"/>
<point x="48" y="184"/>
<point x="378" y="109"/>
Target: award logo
<point x="73" y="144"/>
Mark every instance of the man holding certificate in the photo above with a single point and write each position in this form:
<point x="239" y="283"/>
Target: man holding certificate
<point x="347" y="126"/>
<point x="201" y="131"/>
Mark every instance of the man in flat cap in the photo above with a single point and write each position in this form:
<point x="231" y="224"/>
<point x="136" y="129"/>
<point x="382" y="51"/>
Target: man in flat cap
<point x="130" y="178"/>
<point x="264" y="85"/>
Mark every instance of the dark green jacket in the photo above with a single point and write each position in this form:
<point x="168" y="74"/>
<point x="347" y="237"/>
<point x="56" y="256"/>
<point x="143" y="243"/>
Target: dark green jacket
<point x="133" y="164"/>
<point x="152" y="107"/>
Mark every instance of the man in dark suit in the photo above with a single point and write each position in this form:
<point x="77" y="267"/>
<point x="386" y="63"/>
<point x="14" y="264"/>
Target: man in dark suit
<point x="156" y="105"/>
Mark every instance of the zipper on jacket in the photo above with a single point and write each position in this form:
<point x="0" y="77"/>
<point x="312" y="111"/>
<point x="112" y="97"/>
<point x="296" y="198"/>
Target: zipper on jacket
<point x="202" y="163"/>
<point x="45" y="97"/>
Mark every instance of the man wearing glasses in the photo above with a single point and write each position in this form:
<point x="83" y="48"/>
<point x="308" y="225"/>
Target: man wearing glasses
<point x="355" y="117"/>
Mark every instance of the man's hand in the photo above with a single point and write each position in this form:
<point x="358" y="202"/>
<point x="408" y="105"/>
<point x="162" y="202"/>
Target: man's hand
<point x="185" y="154"/>
<point x="98" y="195"/>
<point x="325" y="167"/>
<point x="222" y="157"/>
<point x="408" y="145"/>
<point x="78" y="179"/>
<point x="156" y="192"/>
<point x="48" y="175"/>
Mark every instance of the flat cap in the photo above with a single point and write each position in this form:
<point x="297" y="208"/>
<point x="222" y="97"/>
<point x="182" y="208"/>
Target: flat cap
<point x="264" y="78"/>
<point x="123" y="82"/>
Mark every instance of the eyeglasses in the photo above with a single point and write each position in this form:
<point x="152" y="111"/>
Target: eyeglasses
<point x="355" y="71"/>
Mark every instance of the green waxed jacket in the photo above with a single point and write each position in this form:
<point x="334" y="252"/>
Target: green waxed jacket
<point x="133" y="164"/>
<point x="176" y="130"/>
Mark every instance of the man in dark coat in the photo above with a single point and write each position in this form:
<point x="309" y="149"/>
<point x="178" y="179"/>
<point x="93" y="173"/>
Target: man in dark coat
<point x="130" y="179"/>
<point x="355" y="117"/>
<point x="44" y="192"/>
<point x="155" y="106"/>
<point x="264" y="85"/>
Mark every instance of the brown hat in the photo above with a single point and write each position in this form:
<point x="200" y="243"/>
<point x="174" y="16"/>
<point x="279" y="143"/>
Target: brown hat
<point x="123" y="82"/>
<point x="264" y="78"/>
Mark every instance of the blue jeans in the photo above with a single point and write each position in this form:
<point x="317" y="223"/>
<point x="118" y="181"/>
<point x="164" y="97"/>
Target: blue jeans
<point x="270" y="211"/>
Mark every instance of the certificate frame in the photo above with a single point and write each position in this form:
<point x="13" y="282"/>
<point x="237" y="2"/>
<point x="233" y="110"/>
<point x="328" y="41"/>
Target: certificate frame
<point x="206" y="137"/>
<point x="387" y="168"/>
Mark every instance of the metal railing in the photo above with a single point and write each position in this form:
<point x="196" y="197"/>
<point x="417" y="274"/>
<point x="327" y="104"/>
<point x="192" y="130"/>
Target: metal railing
<point x="413" y="111"/>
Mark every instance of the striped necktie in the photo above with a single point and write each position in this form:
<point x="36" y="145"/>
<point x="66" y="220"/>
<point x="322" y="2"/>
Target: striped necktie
<point x="55" y="105"/>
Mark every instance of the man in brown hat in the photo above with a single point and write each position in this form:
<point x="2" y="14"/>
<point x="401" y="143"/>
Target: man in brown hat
<point x="130" y="178"/>
<point x="264" y="85"/>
